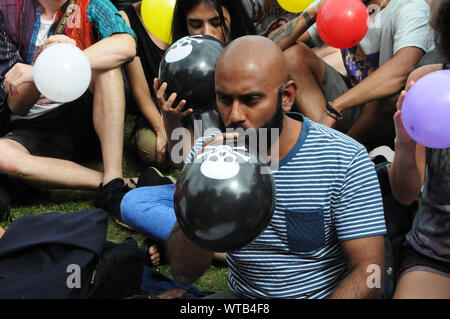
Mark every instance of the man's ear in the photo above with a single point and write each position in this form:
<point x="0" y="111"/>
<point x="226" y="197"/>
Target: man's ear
<point x="288" y="95"/>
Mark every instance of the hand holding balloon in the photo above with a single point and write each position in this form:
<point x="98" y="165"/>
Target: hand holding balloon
<point x="62" y="72"/>
<point x="426" y="110"/>
<point x="188" y="67"/>
<point x="171" y="112"/>
<point x="57" y="38"/>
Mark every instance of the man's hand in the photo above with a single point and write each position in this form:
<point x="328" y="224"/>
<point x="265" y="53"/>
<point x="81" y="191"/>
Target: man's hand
<point x="57" y="38"/>
<point x="19" y="74"/>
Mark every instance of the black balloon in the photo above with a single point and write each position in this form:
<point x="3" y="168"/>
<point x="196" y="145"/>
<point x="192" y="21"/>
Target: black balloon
<point x="224" y="198"/>
<point x="188" y="67"/>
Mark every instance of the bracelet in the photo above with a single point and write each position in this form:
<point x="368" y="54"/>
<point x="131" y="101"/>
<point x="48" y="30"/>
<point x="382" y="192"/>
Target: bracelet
<point x="331" y="111"/>
<point x="307" y="18"/>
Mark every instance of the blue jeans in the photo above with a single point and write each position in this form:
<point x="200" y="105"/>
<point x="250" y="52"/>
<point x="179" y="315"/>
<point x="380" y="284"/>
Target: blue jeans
<point x="149" y="210"/>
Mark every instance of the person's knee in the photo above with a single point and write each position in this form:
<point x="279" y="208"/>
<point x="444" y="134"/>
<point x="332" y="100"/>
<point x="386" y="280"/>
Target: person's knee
<point x="9" y="161"/>
<point x="301" y="59"/>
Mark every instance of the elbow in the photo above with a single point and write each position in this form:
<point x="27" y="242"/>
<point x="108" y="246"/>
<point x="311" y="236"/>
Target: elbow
<point x="405" y="200"/>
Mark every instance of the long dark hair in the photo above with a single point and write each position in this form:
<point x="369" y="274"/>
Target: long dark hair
<point x="240" y="23"/>
<point x="443" y="28"/>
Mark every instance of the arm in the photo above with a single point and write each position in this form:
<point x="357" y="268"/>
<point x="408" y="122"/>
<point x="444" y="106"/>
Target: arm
<point x="286" y="35"/>
<point x="111" y="52"/>
<point x="187" y="261"/>
<point x="358" y="283"/>
<point x="172" y="117"/>
<point x="108" y="53"/>
<point x="22" y="92"/>
<point x="385" y="81"/>
<point x="17" y="86"/>
<point x="142" y="95"/>
<point x="2" y="231"/>
<point x="407" y="171"/>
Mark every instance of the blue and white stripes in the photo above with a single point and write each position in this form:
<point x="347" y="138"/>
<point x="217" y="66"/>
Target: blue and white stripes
<point x="327" y="192"/>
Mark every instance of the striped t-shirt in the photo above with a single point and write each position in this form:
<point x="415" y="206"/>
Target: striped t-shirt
<point x="327" y="191"/>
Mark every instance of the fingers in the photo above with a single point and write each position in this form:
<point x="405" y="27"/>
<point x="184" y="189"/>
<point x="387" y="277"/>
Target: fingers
<point x="167" y="105"/>
<point x="19" y="74"/>
<point x="58" y="38"/>
<point x="400" y="100"/>
<point x="410" y="84"/>
<point x="221" y="138"/>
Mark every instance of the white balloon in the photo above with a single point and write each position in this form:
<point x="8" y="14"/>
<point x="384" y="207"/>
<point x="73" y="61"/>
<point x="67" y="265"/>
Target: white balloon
<point x="62" y="72"/>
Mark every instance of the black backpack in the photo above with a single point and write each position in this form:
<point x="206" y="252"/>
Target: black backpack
<point x="54" y="256"/>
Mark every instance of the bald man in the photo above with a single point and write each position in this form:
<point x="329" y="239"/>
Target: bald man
<point x="326" y="235"/>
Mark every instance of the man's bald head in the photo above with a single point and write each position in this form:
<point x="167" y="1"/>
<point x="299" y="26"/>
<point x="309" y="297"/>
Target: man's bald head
<point x="255" y="55"/>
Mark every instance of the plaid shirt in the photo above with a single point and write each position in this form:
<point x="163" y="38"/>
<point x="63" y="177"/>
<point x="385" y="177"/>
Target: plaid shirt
<point x="89" y="22"/>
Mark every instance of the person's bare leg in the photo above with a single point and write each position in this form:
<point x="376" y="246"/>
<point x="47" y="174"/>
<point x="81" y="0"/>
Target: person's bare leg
<point x="109" y="120"/>
<point x="308" y="71"/>
<point x="375" y="123"/>
<point x="45" y="171"/>
<point x="422" y="285"/>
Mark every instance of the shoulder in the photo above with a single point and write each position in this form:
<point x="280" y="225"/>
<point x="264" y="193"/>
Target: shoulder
<point x="330" y="137"/>
<point x="405" y="10"/>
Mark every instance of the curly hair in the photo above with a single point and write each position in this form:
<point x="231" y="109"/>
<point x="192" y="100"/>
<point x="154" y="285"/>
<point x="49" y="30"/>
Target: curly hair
<point x="443" y="28"/>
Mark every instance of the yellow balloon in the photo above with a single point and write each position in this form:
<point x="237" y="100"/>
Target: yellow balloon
<point x="157" y="16"/>
<point x="295" y="6"/>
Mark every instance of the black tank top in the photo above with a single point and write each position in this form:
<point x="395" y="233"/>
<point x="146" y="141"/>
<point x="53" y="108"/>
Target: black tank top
<point x="149" y="53"/>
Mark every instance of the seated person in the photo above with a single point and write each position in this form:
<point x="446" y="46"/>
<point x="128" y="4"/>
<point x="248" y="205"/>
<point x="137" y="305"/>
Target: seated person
<point x="150" y="132"/>
<point x="425" y="271"/>
<point x="377" y="69"/>
<point x="39" y="146"/>
<point x="328" y="201"/>
<point x="147" y="210"/>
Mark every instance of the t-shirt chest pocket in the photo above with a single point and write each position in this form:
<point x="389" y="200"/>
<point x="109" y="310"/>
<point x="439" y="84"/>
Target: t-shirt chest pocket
<point x="305" y="230"/>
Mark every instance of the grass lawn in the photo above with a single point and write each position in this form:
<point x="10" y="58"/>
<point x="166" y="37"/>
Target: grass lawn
<point x="64" y="201"/>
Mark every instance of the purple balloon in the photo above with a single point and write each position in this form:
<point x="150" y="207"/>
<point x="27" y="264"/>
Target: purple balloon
<point x="426" y="110"/>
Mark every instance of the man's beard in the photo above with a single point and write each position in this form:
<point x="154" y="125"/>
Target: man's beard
<point x="271" y="130"/>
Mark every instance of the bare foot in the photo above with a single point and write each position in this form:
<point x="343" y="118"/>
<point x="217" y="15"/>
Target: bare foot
<point x="153" y="252"/>
<point x="131" y="182"/>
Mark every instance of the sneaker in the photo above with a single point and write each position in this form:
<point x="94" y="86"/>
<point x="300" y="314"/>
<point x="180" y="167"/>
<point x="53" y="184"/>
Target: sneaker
<point x="151" y="177"/>
<point x="110" y="196"/>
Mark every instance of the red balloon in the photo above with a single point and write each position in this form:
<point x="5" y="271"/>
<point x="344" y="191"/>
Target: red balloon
<point x="342" y="24"/>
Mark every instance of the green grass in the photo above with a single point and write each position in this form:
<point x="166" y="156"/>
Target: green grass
<point x="64" y="201"/>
